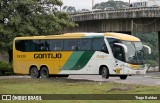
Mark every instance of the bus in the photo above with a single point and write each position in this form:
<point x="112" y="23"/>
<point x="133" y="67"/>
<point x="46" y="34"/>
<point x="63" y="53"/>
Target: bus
<point x="106" y="54"/>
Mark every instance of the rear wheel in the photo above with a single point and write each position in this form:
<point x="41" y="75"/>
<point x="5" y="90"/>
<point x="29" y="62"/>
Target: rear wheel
<point x="105" y="72"/>
<point x="44" y="72"/>
<point x="34" y="72"/>
<point x="123" y="77"/>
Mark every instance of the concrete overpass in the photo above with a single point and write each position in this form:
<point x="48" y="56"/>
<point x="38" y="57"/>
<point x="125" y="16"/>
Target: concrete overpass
<point x="122" y="20"/>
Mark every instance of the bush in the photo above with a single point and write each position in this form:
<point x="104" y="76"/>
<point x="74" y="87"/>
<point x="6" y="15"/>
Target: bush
<point x="4" y="66"/>
<point x="153" y="63"/>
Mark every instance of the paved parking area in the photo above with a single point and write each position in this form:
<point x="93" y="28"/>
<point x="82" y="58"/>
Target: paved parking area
<point x="149" y="79"/>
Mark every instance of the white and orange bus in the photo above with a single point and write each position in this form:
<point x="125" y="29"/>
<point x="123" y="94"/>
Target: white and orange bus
<point x="106" y="54"/>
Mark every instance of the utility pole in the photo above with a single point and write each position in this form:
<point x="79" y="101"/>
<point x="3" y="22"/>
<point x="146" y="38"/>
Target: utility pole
<point x="92" y="4"/>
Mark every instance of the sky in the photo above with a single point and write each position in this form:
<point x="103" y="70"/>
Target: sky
<point x="87" y="4"/>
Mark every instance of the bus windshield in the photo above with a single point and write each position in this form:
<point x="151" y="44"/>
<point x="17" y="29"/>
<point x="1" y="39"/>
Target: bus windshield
<point x="135" y="53"/>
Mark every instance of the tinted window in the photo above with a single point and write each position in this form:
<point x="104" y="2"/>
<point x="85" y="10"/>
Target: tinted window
<point x="84" y="44"/>
<point x="70" y="44"/>
<point x="56" y="45"/>
<point x="29" y="45"/>
<point x="97" y="44"/>
<point x="118" y="53"/>
<point x="32" y="45"/>
<point x="111" y="41"/>
<point x="41" y="45"/>
<point x="20" y="45"/>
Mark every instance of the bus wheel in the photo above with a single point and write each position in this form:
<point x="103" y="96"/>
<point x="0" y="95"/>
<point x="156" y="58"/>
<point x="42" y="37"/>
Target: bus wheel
<point x="105" y="72"/>
<point x="34" y="72"/>
<point x="123" y="77"/>
<point x="44" y="72"/>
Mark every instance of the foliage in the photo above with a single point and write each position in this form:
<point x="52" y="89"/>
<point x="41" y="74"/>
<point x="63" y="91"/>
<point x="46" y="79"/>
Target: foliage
<point x="30" y="17"/>
<point x="150" y="39"/>
<point x="4" y="66"/>
<point x="111" y="3"/>
<point x="69" y="9"/>
<point x="152" y="63"/>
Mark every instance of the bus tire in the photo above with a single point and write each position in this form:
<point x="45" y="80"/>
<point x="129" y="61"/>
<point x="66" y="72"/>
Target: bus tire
<point x="123" y="77"/>
<point x="44" y="72"/>
<point x="34" y="72"/>
<point x="105" y="72"/>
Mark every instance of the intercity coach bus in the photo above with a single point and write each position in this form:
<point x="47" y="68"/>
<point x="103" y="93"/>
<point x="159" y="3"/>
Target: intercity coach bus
<point x="106" y="54"/>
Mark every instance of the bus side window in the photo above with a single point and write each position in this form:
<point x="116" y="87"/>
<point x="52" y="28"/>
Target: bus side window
<point x="98" y="44"/>
<point x="70" y="44"/>
<point x="111" y="42"/>
<point x="29" y="45"/>
<point x="41" y="45"/>
<point x="84" y="44"/>
<point x="118" y="52"/>
<point x="104" y="48"/>
<point x="56" y="45"/>
<point x="20" y="45"/>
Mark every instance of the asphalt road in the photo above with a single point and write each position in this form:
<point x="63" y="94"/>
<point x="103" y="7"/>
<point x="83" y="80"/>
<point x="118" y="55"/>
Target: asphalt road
<point x="149" y="79"/>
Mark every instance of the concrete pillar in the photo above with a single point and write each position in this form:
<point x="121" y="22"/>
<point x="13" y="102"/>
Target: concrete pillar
<point x="159" y="48"/>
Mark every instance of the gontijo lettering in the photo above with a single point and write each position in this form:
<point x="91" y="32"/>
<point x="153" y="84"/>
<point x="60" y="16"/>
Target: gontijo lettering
<point x="47" y="55"/>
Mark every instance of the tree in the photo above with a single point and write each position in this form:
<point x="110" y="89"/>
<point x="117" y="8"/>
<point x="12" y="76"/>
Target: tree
<point x="69" y="9"/>
<point x="111" y="3"/>
<point x="30" y="17"/>
<point x="150" y="39"/>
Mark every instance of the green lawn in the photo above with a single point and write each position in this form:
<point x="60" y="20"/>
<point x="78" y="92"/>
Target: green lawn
<point x="66" y="86"/>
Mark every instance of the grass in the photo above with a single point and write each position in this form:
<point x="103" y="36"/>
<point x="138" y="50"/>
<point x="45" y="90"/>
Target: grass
<point x="66" y="86"/>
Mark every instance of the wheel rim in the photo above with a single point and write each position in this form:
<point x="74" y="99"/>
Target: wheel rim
<point x="34" y="72"/>
<point x="44" y="73"/>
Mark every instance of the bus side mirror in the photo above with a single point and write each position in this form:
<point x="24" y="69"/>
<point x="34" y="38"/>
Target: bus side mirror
<point x="124" y="47"/>
<point x="147" y="47"/>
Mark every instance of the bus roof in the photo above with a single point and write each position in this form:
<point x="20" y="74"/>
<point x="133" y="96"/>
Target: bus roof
<point x="83" y="35"/>
<point x="122" y="36"/>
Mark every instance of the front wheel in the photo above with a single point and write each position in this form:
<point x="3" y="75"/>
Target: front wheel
<point x="123" y="77"/>
<point x="34" y="72"/>
<point x="44" y="72"/>
<point x="105" y="73"/>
